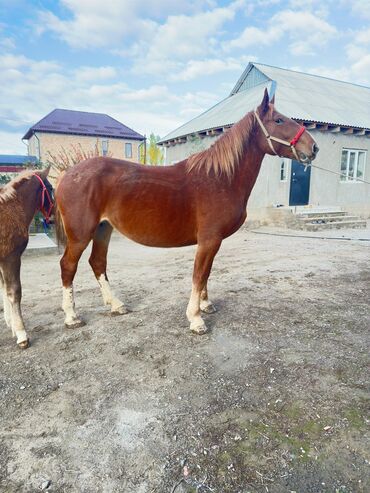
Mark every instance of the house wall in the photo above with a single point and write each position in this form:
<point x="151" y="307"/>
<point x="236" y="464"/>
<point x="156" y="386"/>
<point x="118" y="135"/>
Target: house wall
<point x="326" y="189"/>
<point x="54" y="143"/>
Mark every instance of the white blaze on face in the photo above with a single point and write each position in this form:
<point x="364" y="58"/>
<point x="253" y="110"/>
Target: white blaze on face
<point x="108" y="295"/>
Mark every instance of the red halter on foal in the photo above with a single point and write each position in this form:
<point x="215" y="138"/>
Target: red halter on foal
<point x="269" y="137"/>
<point x="45" y="213"/>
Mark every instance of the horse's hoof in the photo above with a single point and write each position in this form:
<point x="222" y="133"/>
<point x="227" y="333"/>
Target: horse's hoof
<point x="24" y="344"/>
<point x="75" y="324"/>
<point x="121" y="310"/>
<point x="209" y="308"/>
<point x="199" y="329"/>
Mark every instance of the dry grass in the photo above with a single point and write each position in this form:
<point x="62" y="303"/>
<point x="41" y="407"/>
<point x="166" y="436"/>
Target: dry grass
<point x="66" y="158"/>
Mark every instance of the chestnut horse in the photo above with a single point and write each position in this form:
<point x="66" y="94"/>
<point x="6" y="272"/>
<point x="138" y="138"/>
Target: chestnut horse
<point x="19" y="200"/>
<point x="200" y="200"/>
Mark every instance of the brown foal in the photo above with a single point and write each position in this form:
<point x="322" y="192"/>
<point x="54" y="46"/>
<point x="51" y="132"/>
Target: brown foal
<point x="200" y="200"/>
<point x="19" y="200"/>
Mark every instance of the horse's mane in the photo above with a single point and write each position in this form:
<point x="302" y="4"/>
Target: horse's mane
<point x="8" y="191"/>
<point x="224" y="155"/>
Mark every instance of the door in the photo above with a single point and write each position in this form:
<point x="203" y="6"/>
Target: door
<point x="299" y="184"/>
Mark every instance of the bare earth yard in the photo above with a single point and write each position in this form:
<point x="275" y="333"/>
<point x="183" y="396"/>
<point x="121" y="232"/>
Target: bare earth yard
<point x="273" y="399"/>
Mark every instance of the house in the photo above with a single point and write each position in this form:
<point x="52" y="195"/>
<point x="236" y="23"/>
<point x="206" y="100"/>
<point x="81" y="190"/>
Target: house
<point x="64" y="129"/>
<point x="11" y="164"/>
<point x="336" y="113"/>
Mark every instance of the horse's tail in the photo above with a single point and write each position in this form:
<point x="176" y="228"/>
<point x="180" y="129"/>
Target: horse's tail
<point x="59" y="227"/>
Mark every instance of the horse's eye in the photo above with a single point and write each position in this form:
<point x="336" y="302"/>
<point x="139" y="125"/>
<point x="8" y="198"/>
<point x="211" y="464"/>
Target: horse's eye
<point x="279" y="121"/>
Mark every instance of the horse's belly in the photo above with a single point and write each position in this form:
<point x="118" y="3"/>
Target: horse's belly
<point x="156" y="234"/>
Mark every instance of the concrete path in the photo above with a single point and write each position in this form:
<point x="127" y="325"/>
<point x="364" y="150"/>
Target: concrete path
<point x="40" y="244"/>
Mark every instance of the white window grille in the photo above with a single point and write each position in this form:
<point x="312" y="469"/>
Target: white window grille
<point x="352" y="165"/>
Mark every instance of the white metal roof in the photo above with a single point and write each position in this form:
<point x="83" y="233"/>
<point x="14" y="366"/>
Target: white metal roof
<point x="298" y="95"/>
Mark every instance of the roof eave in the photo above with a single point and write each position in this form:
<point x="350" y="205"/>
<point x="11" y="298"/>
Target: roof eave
<point x="31" y="132"/>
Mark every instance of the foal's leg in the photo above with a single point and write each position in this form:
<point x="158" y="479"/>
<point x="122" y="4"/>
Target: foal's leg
<point x="206" y="305"/>
<point x="98" y="262"/>
<point x="68" y="264"/>
<point x="13" y="292"/>
<point x="202" y="267"/>
<point x="6" y="304"/>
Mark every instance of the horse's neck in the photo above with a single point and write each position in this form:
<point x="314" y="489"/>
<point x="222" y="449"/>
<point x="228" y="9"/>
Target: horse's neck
<point x="27" y="194"/>
<point x="247" y="172"/>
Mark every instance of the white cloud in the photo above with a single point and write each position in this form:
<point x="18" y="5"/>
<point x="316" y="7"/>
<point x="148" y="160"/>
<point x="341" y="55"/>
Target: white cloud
<point x="361" y="69"/>
<point x="182" y="38"/>
<point x="305" y="31"/>
<point x="361" y="8"/>
<point x="7" y="43"/>
<point x="198" y="68"/>
<point x="95" y="73"/>
<point x="252" y="36"/>
<point x="358" y="57"/>
<point x="10" y="143"/>
<point x="93" y="23"/>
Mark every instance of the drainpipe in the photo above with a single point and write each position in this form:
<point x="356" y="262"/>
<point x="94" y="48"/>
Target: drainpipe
<point x="39" y="146"/>
<point x="143" y="143"/>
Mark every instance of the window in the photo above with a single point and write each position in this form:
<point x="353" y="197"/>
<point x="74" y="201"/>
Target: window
<point x="352" y="165"/>
<point x="128" y="150"/>
<point x="104" y="147"/>
<point x="283" y="170"/>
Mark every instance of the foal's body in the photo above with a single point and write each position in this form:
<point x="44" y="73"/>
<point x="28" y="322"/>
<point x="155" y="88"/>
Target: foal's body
<point x="201" y="200"/>
<point x="19" y="200"/>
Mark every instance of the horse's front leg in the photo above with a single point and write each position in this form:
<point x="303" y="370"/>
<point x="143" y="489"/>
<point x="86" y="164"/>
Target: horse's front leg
<point x="206" y="304"/>
<point x="202" y="267"/>
<point x="6" y="304"/>
<point x="12" y="300"/>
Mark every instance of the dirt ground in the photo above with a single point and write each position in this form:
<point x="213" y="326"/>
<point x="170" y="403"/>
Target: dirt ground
<point x="273" y="399"/>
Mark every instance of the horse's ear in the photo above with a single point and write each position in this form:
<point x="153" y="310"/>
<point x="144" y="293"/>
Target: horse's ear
<point x="264" y="106"/>
<point x="272" y="100"/>
<point x="44" y="173"/>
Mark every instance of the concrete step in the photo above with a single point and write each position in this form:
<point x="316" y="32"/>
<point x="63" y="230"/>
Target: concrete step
<point x="315" y="210"/>
<point x="335" y="225"/>
<point x="328" y="219"/>
<point x="320" y="214"/>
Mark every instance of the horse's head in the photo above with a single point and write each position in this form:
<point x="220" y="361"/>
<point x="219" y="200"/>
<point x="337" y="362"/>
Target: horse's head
<point x="47" y="193"/>
<point x="282" y="136"/>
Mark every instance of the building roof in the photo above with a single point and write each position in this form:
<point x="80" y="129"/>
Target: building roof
<point x="16" y="160"/>
<point x="304" y="97"/>
<point x="73" y="122"/>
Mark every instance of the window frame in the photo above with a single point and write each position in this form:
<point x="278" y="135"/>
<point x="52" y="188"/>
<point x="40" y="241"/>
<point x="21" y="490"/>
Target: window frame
<point x="345" y="177"/>
<point x="128" y="145"/>
<point x="104" y="150"/>
<point x="284" y="169"/>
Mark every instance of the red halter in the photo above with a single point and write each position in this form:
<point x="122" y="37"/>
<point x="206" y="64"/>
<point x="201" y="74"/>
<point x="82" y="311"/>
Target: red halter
<point x="269" y="137"/>
<point x="296" y="138"/>
<point x="45" y="213"/>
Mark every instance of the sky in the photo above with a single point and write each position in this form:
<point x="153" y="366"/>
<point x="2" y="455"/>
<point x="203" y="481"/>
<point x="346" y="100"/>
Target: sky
<point x="155" y="64"/>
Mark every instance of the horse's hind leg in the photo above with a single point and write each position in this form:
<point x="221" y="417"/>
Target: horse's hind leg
<point x="202" y="267"/>
<point x="98" y="262"/>
<point x="13" y="292"/>
<point x="68" y="264"/>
